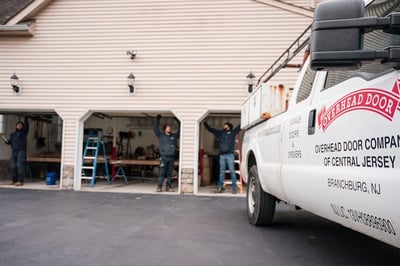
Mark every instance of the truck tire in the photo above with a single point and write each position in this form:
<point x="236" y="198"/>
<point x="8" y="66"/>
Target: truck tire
<point x="260" y="204"/>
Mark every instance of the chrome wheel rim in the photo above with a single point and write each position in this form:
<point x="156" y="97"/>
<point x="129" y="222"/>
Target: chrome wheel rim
<point x="251" y="197"/>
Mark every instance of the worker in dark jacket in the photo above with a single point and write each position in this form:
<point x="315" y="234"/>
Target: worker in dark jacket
<point x="226" y="141"/>
<point x="167" y="143"/>
<point x="18" y="143"/>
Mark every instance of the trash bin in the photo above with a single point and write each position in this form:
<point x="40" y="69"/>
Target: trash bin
<point x="51" y="178"/>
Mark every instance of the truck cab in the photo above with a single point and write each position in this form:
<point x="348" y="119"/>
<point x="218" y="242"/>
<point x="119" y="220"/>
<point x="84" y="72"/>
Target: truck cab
<point x="335" y="149"/>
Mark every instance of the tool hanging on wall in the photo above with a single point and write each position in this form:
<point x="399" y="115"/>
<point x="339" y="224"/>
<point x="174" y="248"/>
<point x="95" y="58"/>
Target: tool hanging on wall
<point x="125" y="136"/>
<point x="36" y="132"/>
<point x="40" y="140"/>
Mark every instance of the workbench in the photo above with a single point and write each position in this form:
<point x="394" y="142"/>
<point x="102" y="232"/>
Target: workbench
<point x="121" y="164"/>
<point x="44" y="160"/>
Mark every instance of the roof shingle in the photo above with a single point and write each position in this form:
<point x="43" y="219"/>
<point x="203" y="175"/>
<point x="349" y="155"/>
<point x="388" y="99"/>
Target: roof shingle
<point x="10" y="8"/>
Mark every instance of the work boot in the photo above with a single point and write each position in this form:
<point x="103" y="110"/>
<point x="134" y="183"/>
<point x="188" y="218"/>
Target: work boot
<point x="234" y="191"/>
<point x="220" y="190"/>
<point x="18" y="184"/>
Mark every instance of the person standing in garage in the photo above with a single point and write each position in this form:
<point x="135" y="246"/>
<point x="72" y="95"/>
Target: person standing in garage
<point x="226" y="141"/>
<point x="18" y="143"/>
<point x="167" y="147"/>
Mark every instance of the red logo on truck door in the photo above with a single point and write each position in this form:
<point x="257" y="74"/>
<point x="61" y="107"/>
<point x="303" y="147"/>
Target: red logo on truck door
<point x="382" y="102"/>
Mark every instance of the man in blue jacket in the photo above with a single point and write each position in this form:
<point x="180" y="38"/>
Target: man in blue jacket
<point x="18" y="142"/>
<point x="226" y="141"/>
<point x="167" y="142"/>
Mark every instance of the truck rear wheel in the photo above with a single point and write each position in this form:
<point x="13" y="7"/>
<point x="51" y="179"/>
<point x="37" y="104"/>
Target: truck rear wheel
<point x="260" y="204"/>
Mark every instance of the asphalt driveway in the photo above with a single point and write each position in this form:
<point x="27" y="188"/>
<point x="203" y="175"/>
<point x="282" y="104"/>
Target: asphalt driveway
<point x="84" y="228"/>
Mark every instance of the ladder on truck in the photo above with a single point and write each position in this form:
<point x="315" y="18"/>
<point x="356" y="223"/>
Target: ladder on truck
<point x="283" y="60"/>
<point x="239" y="181"/>
<point x="91" y="155"/>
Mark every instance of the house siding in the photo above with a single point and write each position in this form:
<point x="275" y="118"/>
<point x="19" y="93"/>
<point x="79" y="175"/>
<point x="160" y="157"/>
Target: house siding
<point x="192" y="57"/>
<point x="310" y="4"/>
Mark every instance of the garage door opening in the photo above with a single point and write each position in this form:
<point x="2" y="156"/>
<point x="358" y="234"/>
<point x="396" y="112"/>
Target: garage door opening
<point x="43" y="153"/>
<point x="209" y="155"/>
<point x="128" y="158"/>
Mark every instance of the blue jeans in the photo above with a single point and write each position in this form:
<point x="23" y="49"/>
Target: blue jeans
<point x="226" y="160"/>
<point x="166" y="167"/>
<point x="18" y="165"/>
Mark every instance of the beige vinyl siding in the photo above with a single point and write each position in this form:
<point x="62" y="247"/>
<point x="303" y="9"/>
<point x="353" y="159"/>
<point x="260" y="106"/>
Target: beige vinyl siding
<point x="193" y="56"/>
<point x="302" y="3"/>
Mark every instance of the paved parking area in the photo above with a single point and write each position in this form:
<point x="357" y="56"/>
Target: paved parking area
<point x="86" y="228"/>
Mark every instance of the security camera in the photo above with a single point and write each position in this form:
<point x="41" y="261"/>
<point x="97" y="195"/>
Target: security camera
<point x="132" y="53"/>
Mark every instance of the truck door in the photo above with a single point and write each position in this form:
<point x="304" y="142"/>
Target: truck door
<point x="355" y="149"/>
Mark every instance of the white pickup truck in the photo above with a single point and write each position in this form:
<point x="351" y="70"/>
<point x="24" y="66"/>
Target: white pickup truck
<point x="335" y="149"/>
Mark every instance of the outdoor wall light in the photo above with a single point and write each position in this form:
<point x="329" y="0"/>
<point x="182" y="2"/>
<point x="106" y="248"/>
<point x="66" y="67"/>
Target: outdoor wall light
<point x="14" y="84"/>
<point x="250" y="81"/>
<point x="131" y="84"/>
<point x="132" y="53"/>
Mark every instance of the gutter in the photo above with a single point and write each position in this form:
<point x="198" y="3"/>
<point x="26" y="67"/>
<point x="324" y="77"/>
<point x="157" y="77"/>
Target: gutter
<point x="17" y="30"/>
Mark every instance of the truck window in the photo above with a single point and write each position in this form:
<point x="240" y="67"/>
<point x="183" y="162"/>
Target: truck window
<point x="306" y="85"/>
<point x="376" y="40"/>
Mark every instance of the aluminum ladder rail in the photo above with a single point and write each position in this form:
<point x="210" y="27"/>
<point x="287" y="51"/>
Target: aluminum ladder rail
<point x="283" y="61"/>
<point x="90" y="158"/>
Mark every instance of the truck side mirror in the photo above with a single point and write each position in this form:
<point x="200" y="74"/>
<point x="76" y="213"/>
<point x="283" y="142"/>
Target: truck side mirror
<point x="338" y="34"/>
<point x="327" y="40"/>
